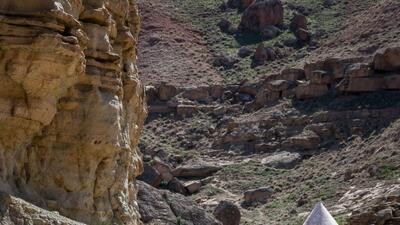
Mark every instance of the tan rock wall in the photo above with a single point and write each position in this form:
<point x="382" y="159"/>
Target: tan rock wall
<point x="71" y="106"/>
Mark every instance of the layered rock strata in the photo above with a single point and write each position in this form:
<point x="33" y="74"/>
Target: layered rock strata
<point x="71" y="107"/>
<point x="327" y="77"/>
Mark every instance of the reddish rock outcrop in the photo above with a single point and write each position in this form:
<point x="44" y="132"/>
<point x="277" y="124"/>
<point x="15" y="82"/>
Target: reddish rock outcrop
<point x="298" y="21"/>
<point x="387" y="59"/>
<point x="316" y="79"/>
<point x="261" y="14"/>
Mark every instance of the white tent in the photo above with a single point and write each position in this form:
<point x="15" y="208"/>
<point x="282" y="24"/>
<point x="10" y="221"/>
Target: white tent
<point x="320" y="216"/>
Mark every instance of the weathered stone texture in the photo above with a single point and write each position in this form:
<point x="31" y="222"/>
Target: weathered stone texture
<point x="261" y="14"/>
<point x="71" y="106"/>
<point x="15" y="211"/>
<point x="160" y="207"/>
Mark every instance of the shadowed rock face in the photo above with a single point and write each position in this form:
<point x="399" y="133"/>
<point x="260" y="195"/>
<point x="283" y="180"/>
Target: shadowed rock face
<point x="160" y="207"/>
<point x="71" y="106"/>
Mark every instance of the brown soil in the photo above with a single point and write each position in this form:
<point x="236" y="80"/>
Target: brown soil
<point x="171" y="51"/>
<point x="367" y="28"/>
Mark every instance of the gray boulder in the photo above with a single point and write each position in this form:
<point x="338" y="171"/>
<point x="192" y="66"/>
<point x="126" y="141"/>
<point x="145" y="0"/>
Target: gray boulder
<point x="150" y="176"/>
<point x="228" y="213"/>
<point x="162" y="207"/>
<point x="284" y="160"/>
<point x="198" y="171"/>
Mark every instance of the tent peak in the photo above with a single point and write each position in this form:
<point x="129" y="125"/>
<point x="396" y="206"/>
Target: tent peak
<point x="320" y="216"/>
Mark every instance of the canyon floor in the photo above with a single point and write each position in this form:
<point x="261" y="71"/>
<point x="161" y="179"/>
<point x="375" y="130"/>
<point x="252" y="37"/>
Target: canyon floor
<point x="341" y="148"/>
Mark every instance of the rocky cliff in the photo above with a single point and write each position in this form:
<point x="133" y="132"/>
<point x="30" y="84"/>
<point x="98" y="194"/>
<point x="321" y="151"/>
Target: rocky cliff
<point x="71" y="107"/>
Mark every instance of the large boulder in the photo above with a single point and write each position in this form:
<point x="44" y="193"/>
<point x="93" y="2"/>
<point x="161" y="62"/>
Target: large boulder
<point x="177" y="186"/>
<point x="299" y="21"/>
<point x="363" y="84"/>
<point x="244" y="52"/>
<point x="321" y="77"/>
<point x="303" y="35"/>
<point x="150" y="176"/>
<point x="387" y="59"/>
<point x="199" y="171"/>
<point x="307" y="90"/>
<point x="225" y="61"/>
<point x="292" y="74"/>
<point x="306" y="140"/>
<point x="70" y="8"/>
<point x="166" y="91"/>
<point x="164" y="169"/>
<point x="264" y="54"/>
<point x="261" y="14"/>
<point x="193" y="186"/>
<point x="259" y="195"/>
<point x="199" y="93"/>
<point x="228" y="213"/>
<point x="283" y="160"/>
<point x="226" y="26"/>
<point x="165" y="208"/>
<point x="299" y="27"/>
<point x="334" y="65"/>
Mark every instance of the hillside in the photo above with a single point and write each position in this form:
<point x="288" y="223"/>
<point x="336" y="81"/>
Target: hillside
<point x="346" y="28"/>
<point x="318" y="121"/>
<point x="199" y="112"/>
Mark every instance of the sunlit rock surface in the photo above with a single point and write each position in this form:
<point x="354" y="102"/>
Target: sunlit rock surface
<point x="71" y="107"/>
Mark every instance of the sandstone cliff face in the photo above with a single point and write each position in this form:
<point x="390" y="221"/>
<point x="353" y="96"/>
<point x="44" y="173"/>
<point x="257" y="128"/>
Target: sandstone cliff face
<point x="71" y="106"/>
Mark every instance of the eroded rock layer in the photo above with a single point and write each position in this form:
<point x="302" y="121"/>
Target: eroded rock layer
<point x="71" y="106"/>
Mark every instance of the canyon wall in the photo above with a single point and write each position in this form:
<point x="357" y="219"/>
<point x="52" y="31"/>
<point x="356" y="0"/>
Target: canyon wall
<point x="71" y="107"/>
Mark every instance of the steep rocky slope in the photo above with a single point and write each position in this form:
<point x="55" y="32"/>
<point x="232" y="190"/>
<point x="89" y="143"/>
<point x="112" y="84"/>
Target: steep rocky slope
<point x="318" y="122"/>
<point x="72" y="110"/>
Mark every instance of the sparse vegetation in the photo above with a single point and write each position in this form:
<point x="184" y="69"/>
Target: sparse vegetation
<point x="350" y="157"/>
<point x="341" y="220"/>
<point x="179" y="221"/>
<point x="389" y="172"/>
<point x="205" y="15"/>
